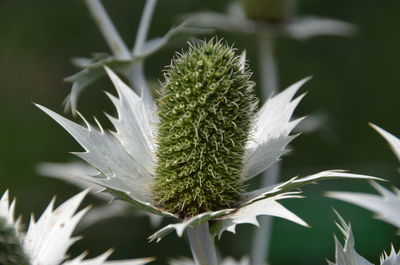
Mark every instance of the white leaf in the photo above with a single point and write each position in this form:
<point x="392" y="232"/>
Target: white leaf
<point x="189" y="223"/>
<point x="393" y="141"/>
<point x="226" y="261"/>
<point x="295" y="183"/>
<point x="104" y="152"/>
<point x="47" y="240"/>
<point x="75" y="173"/>
<point x="386" y="206"/>
<point x="392" y="259"/>
<point x="271" y="131"/>
<point x="136" y="123"/>
<point x="101" y="260"/>
<point x="7" y="211"/>
<point x="347" y="255"/>
<point x="248" y="213"/>
<point x="307" y="27"/>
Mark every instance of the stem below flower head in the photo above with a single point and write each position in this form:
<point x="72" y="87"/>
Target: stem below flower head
<point x="202" y="245"/>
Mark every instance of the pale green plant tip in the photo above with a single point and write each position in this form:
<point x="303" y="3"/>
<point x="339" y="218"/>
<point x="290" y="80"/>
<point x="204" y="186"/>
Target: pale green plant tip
<point x="206" y="108"/>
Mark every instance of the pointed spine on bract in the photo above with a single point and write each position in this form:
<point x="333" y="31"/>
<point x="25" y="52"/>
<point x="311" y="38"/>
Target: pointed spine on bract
<point x="270" y="11"/>
<point x="206" y="109"/>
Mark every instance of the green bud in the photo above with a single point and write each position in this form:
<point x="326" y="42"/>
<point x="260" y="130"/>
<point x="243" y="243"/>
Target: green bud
<point x="11" y="252"/>
<point x="270" y="11"/>
<point x="206" y="108"/>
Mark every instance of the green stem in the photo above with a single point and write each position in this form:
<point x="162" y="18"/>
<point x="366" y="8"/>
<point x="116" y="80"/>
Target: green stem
<point x="269" y="85"/>
<point x="202" y="245"/>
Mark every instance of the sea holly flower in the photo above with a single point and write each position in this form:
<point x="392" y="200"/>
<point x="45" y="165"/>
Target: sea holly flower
<point x="47" y="240"/>
<point x="347" y="255"/>
<point x="386" y="206"/>
<point x="189" y="157"/>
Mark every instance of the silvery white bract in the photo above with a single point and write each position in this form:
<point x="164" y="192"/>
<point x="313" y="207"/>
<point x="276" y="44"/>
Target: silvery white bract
<point x="347" y="255"/>
<point x="387" y="205"/>
<point x="70" y="173"/>
<point x="393" y="141"/>
<point x="226" y="261"/>
<point x="48" y="239"/>
<point x="301" y="28"/>
<point x="125" y="158"/>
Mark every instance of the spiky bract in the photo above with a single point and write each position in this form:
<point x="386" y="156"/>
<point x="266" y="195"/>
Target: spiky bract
<point x="11" y="251"/>
<point x="271" y="11"/>
<point x="206" y="108"/>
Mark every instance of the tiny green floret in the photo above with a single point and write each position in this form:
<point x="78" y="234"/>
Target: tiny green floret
<point x="206" y="108"/>
<point x="11" y="251"/>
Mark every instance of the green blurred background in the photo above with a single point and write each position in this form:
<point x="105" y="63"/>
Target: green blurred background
<point x="355" y="82"/>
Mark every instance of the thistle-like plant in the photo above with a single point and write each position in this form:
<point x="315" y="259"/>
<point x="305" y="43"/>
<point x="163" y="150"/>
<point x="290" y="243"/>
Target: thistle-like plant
<point x="189" y="157"/>
<point x="47" y="240"/>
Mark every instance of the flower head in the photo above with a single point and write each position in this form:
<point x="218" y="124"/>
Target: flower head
<point x="206" y="108"/>
<point x="190" y="158"/>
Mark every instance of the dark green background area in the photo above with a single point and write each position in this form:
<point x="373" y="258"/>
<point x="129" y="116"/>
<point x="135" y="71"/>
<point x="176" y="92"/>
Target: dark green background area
<point x="355" y="82"/>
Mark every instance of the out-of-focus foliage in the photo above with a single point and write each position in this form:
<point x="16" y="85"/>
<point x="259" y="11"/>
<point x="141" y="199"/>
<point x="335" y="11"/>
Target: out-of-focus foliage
<point x="347" y="255"/>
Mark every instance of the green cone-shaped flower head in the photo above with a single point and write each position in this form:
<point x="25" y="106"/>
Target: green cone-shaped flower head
<point x="11" y="252"/>
<point x="206" y="108"/>
<point x="271" y="11"/>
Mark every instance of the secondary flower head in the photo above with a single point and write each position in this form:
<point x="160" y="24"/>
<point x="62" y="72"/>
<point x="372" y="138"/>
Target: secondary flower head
<point x="189" y="156"/>
<point x="47" y="239"/>
<point x="206" y="108"/>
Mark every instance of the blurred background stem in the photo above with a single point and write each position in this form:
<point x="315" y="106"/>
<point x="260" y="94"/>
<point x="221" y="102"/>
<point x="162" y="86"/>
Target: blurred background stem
<point x="269" y="86"/>
<point x="108" y="30"/>
<point x="136" y="73"/>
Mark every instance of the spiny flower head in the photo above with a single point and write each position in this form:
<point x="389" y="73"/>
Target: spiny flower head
<point x="206" y="109"/>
